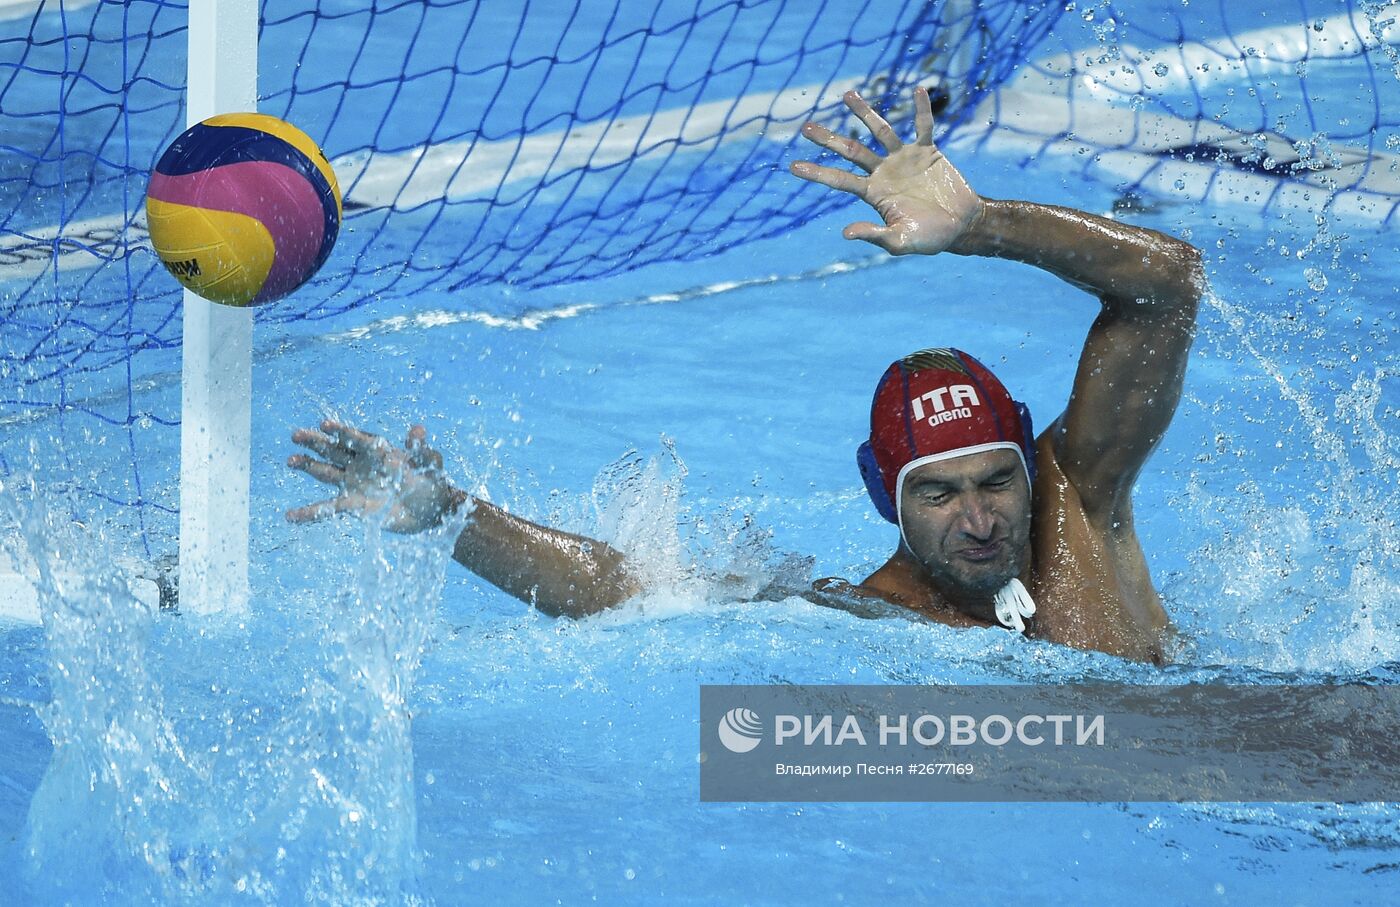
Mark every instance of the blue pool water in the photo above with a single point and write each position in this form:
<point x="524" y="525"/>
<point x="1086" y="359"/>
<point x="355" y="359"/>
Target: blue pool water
<point x="384" y="728"/>
<point x="556" y="759"/>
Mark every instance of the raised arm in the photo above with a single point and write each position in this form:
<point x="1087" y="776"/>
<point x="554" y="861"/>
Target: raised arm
<point x="1131" y="369"/>
<point x="558" y="572"/>
<point x="1134" y="359"/>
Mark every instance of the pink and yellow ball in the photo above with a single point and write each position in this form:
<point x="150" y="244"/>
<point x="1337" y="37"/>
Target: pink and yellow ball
<point x="243" y="208"/>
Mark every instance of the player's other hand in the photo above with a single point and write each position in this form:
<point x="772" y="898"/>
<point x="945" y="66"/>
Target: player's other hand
<point x="372" y="476"/>
<point x="924" y="201"/>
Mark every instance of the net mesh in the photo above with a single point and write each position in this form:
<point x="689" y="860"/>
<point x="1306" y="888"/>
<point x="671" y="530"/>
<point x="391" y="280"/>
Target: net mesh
<point x="536" y="144"/>
<point x="1292" y="109"/>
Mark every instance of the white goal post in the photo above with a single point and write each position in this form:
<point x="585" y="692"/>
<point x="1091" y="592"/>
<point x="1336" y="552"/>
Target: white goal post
<point x="216" y="379"/>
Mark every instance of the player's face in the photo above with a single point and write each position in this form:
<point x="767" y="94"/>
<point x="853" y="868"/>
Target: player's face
<point x="968" y="521"/>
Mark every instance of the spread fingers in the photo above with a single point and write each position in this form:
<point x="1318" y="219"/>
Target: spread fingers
<point x="883" y="132"/>
<point x="351" y="437"/>
<point x="322" y="509"/>
<point x="848" y="148"/>
<point x="322" y="445"/>
<point x="322" y="472"/>
<point x="830" y="176"/>
<point x="923" y="117"/>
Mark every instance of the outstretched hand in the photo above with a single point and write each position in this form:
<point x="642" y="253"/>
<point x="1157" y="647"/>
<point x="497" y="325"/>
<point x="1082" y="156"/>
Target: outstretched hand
<point x="405" y="483"/>
<point x="926" y="204"/>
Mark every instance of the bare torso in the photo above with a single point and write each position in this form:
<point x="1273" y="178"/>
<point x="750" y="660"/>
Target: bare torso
<point x="1090" y="582"/>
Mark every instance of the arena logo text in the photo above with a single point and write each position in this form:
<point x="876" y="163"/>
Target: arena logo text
<point x="959" y="398"/>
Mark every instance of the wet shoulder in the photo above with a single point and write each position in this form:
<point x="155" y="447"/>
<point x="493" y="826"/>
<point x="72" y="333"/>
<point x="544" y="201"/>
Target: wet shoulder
<point x="1091" y="583"/>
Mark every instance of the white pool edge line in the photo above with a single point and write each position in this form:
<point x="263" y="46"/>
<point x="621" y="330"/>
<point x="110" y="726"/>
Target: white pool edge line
<point x="426" y="173"/>
<point x="1038" y="112"/>
<point x="20" y="601"/>
<point x="423" y="174"/>
<point x="1093" y="133"/>
<point x="23" y="9"/>
<point x="408" y="179"/>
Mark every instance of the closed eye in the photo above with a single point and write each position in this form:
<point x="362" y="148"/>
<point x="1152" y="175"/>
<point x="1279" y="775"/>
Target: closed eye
<point x="933" y="496"/>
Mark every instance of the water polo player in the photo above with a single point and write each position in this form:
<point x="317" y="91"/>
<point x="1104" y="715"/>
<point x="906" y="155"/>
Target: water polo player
<point x="998" y="527"/>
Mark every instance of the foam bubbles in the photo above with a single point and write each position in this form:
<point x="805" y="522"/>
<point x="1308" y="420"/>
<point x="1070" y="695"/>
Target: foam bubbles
<point x="205" y="759"/>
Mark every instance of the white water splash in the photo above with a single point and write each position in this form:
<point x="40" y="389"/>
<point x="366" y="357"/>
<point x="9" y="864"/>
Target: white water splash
<point x="685" y="559"/>
<point x="1307" y="585"/>
<point x="198" y="761"/>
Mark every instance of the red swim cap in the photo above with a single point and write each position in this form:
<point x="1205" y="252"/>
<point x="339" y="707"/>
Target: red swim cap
<point x="936" y="405"/>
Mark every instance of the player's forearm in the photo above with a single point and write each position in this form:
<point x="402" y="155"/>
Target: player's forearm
<point x="1130" y="268"/>
<point x="560" y="573"/>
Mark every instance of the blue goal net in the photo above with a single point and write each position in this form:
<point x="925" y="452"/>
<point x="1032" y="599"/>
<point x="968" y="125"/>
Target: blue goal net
<point x="535" y="144"/>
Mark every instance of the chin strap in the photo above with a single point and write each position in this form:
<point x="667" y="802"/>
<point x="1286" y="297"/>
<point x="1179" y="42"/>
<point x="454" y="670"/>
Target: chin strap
<point x="1013" y="604"/>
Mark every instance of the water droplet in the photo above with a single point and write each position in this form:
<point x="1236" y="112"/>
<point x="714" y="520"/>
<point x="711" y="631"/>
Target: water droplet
<point x="1161" y="69"/>
<point x="1317" y="281"/>
<point x="1180" y="183"/>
